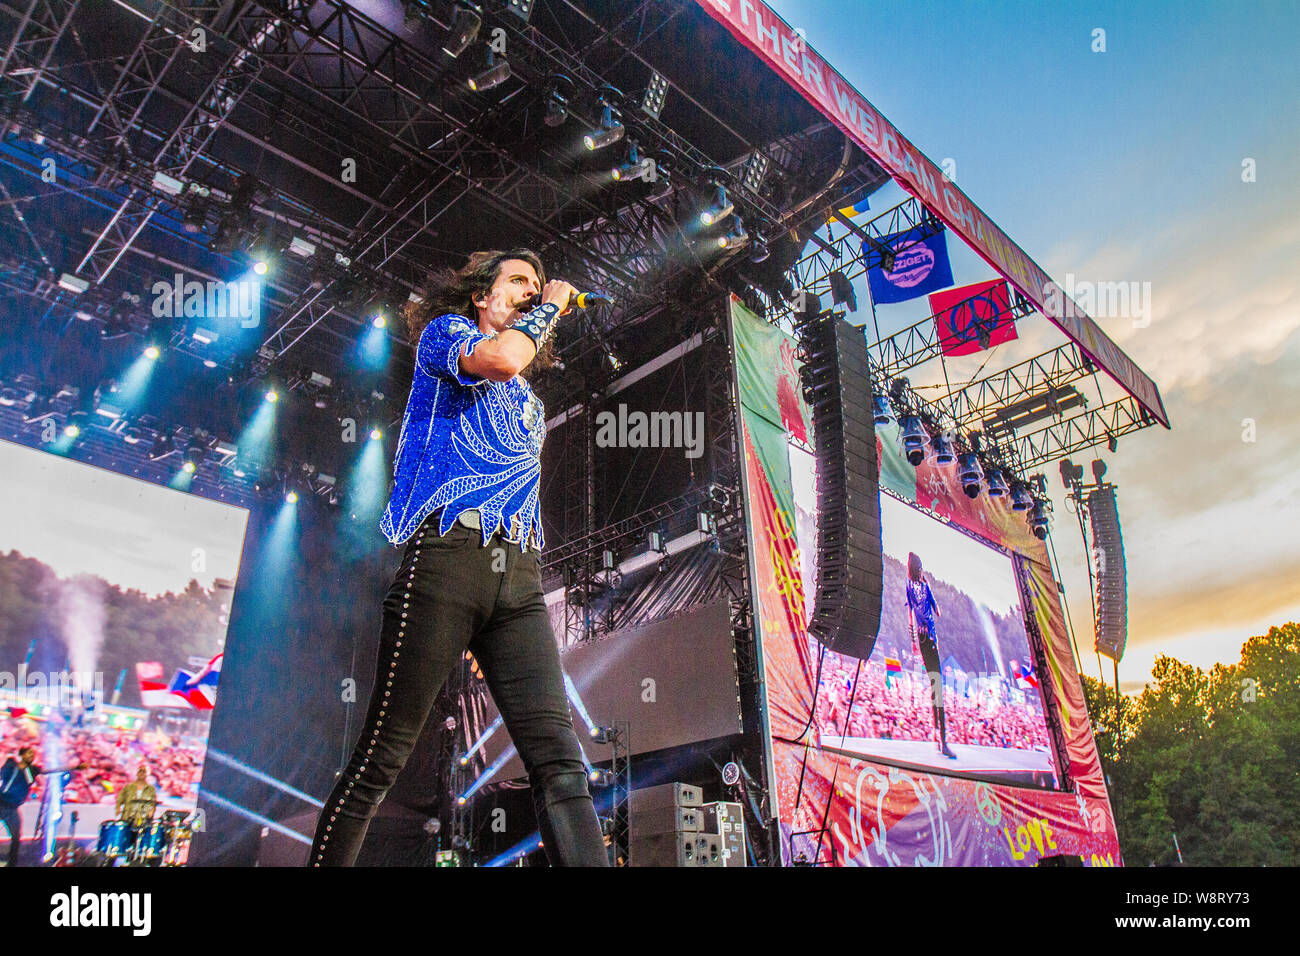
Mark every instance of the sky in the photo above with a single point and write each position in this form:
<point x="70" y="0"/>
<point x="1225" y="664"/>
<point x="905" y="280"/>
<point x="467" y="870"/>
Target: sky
<point x="80" y="519"/>
<point x="1130" y="165"/>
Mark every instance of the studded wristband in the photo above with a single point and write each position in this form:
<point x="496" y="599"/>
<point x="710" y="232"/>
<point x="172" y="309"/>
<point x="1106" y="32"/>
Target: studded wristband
<point x="539" y="323"/>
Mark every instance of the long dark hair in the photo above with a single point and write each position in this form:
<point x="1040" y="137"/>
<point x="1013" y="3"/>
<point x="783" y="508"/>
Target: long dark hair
<point x="454" y="290"/>
<point x="914" y="566"/>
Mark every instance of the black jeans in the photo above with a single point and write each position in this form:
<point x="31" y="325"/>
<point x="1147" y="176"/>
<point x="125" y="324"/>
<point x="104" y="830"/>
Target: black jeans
<point x="12" y="822"/>
<point x="452" y="594"/>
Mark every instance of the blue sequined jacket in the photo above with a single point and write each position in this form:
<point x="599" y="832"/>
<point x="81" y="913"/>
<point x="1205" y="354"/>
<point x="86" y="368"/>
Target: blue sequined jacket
<point x="466" y="443"/>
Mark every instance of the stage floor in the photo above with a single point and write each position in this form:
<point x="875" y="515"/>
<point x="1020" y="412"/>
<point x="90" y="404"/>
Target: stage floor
<point x="971" y="758"/>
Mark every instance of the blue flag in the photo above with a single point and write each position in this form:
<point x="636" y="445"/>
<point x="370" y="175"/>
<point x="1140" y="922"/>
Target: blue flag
<point x="920" y="269"/>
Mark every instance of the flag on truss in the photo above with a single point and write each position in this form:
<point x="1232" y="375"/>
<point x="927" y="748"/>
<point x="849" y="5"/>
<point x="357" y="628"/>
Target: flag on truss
<point x="918" y="268"/>
<point x="854" y="209"/>
<point x="973" y="317"/>
<point x="1025" y="677"/>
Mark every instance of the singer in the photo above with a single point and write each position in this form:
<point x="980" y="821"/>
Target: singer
<point x="465" y="502"/>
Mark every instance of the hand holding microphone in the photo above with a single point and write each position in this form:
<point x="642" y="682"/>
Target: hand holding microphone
<point x="565" y="297"/>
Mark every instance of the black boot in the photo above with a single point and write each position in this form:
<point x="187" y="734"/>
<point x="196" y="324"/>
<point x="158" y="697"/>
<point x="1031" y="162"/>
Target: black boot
<point x="940" y="723"/>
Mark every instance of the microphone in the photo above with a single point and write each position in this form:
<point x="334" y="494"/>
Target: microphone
<point x="579" y="300"/>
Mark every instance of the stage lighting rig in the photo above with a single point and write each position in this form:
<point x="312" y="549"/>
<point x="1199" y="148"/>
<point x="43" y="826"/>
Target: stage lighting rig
<point x="970" y="474"/>
<point x="559" y="90"/>
<point x="611" y="127"/>
<point x="466" y="18"/>
<point x="652" y="103"/>
<point x="495" y="72"/>
<point x="914" y="439"/>
<point x="721" y="207"/>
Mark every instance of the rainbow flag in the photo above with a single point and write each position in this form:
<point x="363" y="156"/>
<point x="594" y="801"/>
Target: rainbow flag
<point x="893" y="665"/>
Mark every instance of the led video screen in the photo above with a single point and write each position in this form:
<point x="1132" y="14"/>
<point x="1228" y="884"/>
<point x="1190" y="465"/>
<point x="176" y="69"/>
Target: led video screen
<point x="952" y="629"/>
<point x="114" y="601"/>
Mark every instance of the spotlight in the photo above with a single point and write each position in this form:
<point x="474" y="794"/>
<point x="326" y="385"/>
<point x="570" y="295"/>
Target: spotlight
<point x="261" y="267"/>
<point x="465" y="23"/>
<point x="188" y="468"/>
<point x="758" y="250"/>
<point x="898" y="387"/>
<point x="272" y="395"/>
<point x="196" y="215"/>
<point x="291" y="497"/>
<point x="914" y="438"/>
<point x="376" y="434"/>
<point x="602" y="778"/>
<point x="72" y="431"/>
<point x="629" y="170"/>
<point x="882" y="411"/>
<point x="603" y="735"/>
<point x="942" y="445"/>
<point x="557" y="100"/>
<point x="1021" y="500"/>
<point x="610" y="132"/>
<point x="735" y="237"/>
<point x="152" y="352"/>
<point x="1038" y="519"/>
<point x="379" y="321"/>
<point x="496" y="72"/>
<point x="722" y="207"/>
<point x="969" y="474"/>
<point x="195" y="452"/>
<point x="997" y="484"/>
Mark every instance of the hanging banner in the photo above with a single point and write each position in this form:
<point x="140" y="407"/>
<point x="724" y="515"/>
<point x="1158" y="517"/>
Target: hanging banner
<point x="972" y="318"/>
<point x="777" y="44"/>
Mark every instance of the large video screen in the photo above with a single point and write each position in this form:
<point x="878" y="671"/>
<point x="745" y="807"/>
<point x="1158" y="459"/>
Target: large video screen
<point x="950" y="685"/>
<point x="114" y="600"/>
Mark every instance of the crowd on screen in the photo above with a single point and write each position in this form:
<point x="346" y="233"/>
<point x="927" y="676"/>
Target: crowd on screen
<point x="111" y="757"/>
<point x="993" y="712"/>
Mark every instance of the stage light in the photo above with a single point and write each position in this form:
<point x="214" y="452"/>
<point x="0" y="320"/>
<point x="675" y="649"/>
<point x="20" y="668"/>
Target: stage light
<point x="882" y="413"/>
<point x="630" y="170"/>
<point x="997" y="484"/>
<point x="152" y="352"/>
<point x="1038" y="520"/>
<point x="610" y="132"/>
<point x="558" y="90"/>
<point x="735" y="237"/>
<point x="291" y="498"/>
<point x="496" y="72"/>
<point x="208" y="363"/>
<point x="1021" y="500"/>
<point x="465" y="23"/>
<point x="914" y="438"/>
<point x="603" y="735"/>
<point x="261" y="267"/>
<point x="898" y="387"/>
<point x="376" y="434"/>
<point x="602" y="778"/>
<point x="758" y="250"/>
<point x="378" y="321"/>
<point x="195" y="219"/>
<point x="721" y="208"/>
<point x="272" y="395"/>
<point x="942" y="447"/>
<point x="969" y="474"/>
<point x="72" y="431"/>
<point x="188" y="468"/>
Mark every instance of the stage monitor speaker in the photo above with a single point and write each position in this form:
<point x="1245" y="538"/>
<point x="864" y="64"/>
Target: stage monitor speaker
<point x="850" y="563"/>
<point x="676" y="849"/>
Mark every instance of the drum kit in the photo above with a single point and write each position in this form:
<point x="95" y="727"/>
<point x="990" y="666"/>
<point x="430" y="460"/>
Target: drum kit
<point x="139" y="840"/>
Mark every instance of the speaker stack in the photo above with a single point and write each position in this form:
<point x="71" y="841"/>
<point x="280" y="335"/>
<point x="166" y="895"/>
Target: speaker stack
<point x="837" y="385"/>
<point x="670" y="825"/>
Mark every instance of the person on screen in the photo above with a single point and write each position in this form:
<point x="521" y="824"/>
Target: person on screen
<point x="16" y="780"/>
<point x="922" y="612"/>
<point x="137" y="801"/>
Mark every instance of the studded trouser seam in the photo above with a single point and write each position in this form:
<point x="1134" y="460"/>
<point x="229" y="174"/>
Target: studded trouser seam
<point x="392" y="670"/>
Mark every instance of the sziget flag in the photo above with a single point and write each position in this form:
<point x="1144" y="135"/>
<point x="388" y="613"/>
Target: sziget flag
<point x="973" y="317"/>
<point x="919" y="268"/>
